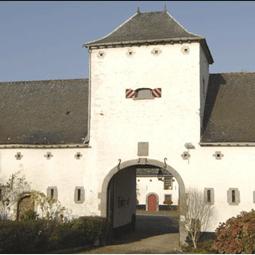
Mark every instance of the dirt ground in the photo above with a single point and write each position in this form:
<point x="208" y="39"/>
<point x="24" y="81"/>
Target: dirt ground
<point x="155" y="233"/>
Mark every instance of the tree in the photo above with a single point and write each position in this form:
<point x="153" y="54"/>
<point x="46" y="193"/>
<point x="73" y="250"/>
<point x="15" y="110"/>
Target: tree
<point x="197" y="216"/>
<point x="10" y="194"/>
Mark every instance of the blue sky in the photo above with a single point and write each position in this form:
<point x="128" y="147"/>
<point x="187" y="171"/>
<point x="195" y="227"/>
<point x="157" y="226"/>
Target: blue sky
<point x="43" y="40"/>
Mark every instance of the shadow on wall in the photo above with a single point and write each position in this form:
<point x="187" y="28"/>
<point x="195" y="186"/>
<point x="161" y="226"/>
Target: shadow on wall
<point x="214" y="84"/>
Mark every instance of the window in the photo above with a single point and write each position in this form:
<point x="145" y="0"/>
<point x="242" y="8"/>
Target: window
<point x="143" y="149"/>
<point x="233" y="195"/>
<point x="168" y="199"/>
<point x="167" y="182"/>
<point x="18" y="156"/>
<point x="209" y="195"/>
<point x="79" y="194"/>
<point x="52" y="192"/>
<point x="144" y="93"/>
<point x="218" y="155"/>
<point x="156" y="51"/>
<point x="1" y="194"/>
<point x="48" y="155"/>
<point x="78" y="155"/>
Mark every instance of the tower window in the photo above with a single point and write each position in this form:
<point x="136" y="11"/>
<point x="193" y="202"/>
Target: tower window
<point x="185" y="49"/>
<point x="144" y="93"/>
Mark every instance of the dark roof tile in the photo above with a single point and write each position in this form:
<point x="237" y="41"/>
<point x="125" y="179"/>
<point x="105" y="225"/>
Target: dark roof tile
<point x="229" y="109"/>
<point x="44" y="112"/>
<point x="150" y="27"/>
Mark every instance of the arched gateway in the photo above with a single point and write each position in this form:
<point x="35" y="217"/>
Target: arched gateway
<point x="144" y="161"/>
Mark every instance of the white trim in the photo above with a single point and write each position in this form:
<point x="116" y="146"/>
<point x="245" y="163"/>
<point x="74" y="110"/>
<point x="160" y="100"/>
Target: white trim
<point x="122" y="24"/>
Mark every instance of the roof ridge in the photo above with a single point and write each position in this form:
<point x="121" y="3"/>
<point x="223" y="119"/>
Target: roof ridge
<point x="249" y="72"/>
<point x="151" y="12"/>
<point x="24" y="81"/>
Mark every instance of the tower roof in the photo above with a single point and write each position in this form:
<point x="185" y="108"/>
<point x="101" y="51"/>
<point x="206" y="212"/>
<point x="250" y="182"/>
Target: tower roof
<point x="150" y="27"/>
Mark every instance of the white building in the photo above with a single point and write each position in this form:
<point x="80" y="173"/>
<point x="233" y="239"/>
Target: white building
<point x="156" y="191"/>
<point x="149" y="101"/>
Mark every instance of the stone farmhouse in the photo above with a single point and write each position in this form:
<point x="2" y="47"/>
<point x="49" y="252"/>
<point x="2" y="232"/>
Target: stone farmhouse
<point x="149" y="100"/>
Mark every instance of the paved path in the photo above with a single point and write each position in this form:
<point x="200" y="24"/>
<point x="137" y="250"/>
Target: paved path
<point x="156" y="233"/>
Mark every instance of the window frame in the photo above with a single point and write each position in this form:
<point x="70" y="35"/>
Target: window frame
<point x="82" y="194"/>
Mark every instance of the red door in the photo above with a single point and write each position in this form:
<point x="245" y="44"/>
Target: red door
<point x="152" y="203"/>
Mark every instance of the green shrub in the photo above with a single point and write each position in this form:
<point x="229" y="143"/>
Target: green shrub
<point x="33" y="236"/>
<point x="237" y="235"/>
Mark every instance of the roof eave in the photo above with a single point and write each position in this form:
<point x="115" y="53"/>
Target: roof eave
<point x="227" y="144"/>
<point x="156" y="41"/>
<point x="103" y="44"/>
<point x="44" y="146"/>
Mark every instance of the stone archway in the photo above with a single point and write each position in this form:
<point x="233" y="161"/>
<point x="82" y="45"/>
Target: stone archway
<point x="152" y="162"/>
<point x="25" y="204"/>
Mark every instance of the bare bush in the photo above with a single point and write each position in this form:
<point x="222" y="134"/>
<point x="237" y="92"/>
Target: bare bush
<point x="50" y="209"/>
<point x="197" y="216"/>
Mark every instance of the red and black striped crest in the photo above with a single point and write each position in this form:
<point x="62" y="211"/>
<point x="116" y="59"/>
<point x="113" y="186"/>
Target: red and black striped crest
<point x="156" y="92"/>
<point x="130" y="93"/>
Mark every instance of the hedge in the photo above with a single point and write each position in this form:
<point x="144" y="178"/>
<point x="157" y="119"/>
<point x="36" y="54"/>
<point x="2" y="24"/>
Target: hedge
<point x="39" y="236"/>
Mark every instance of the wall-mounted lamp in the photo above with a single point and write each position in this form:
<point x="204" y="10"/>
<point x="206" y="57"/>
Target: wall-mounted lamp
<point x="119" y="164"/>
<point x="189" y="146"/>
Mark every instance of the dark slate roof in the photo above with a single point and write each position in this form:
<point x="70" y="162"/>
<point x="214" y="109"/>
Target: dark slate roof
<point x="150" y="171"/>
<point x="149" y="27"/>
<point x="229" y="109"/>
<point x="43" y="112"/>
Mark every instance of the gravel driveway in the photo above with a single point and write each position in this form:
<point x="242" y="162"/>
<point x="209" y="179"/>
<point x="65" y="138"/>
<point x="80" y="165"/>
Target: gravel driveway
<point x="155" y="233"/>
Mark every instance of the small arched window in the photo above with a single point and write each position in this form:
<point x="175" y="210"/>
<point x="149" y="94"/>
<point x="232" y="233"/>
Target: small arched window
<point x="144" y="93"/>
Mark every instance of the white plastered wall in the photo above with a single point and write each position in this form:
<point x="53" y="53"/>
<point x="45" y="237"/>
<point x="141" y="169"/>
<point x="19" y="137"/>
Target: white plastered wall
<point x="118" y="124"/>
